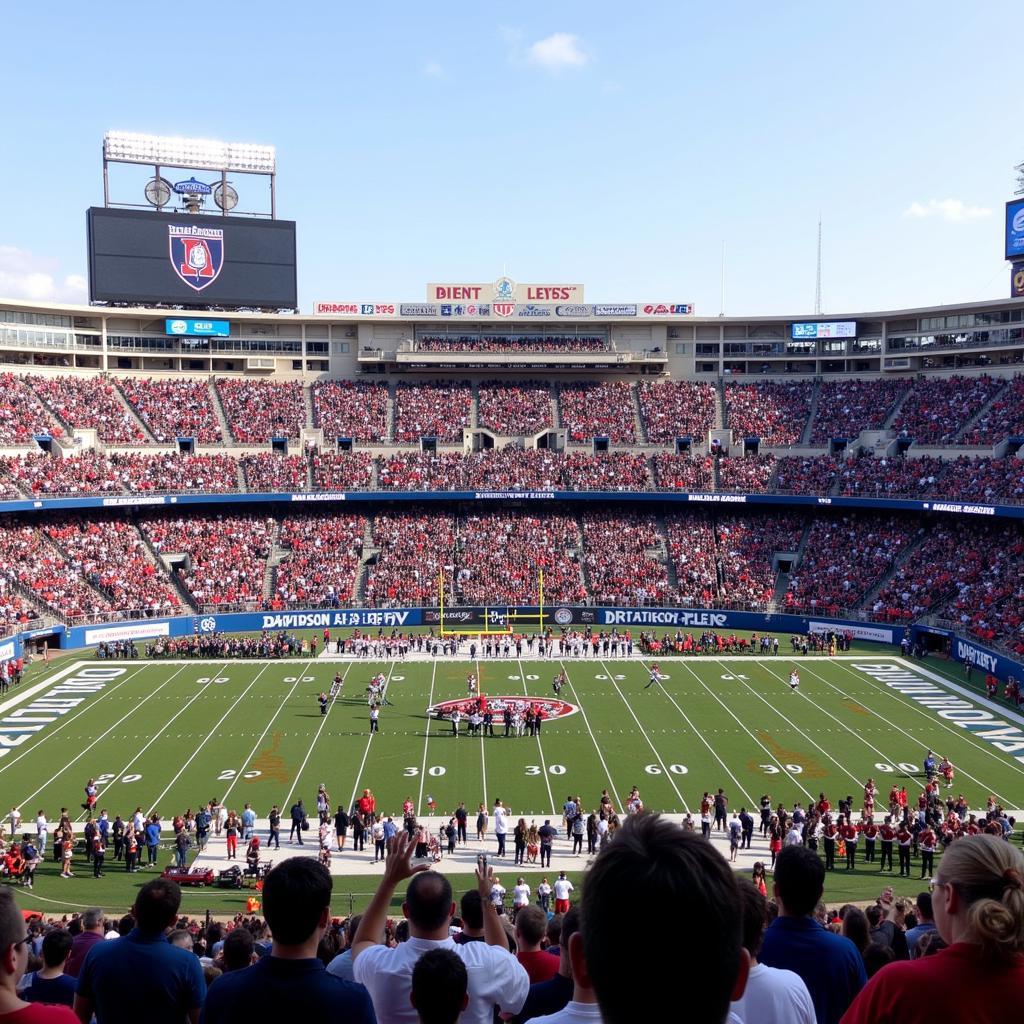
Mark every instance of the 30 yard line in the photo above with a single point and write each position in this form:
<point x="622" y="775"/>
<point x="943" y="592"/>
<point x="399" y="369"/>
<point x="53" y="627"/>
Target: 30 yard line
<point x="206" y="739"/>
<point x="426" y="738"/>
<point x="643" y="732"/>
<point x="540" y="749"/>
<point x="103" y="735"/>
<point x="586" y="721"/>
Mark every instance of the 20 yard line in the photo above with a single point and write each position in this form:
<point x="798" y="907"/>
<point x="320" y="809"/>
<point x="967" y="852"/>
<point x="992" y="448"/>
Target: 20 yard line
<point x="103" y="735"/>
<point x="643" y="732"/>
<point x="586" y="721"/>
<point x="540" y="749"/>
<point x="426" y="739"/>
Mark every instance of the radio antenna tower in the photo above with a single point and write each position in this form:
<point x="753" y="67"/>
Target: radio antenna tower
<point x="817" y="287"/>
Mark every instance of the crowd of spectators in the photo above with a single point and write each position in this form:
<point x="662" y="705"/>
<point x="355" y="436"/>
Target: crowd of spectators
<point x="774" y="411"/>
<point x="412" y="550"/>
<point x="598" y="409"/>
<point x="499" y="343"/>
<point x="614" y="471"/>
<point x="437" y="409"/>
<point x="270" y="471"/>
<point x="342" y="471"/>
<point x="814" y="474"/>
<point x="844" y="558"/>
<point x="746" y="549"/>
<point x="512" y="409"/>
<point x="677" y="408"/>
<point x="89" y="403"/>
<point x="692" y="548"/>
<point x="846" y="407"/>
<point x="111" y="556"/>
<point x="750" y="474"/>
<point x="356" y="409"/>
<point x="1003" y="418"/>
<point x="16" y="611"/>
<point x="617" y="554"/>
<point x="937" y="408"/>
<point x="432" y="471"/>
<point x="983" y="479"/>
<point x="258" y="410"/>
<point x="228" y="553"/>
<point x="684" y="472"/>
<point x="322" y="565"/>
<point x="500" y="556"/>
<point x="22" y="415"/>
<point x="890" y="476"/>
<point x="29" y="559"/>
<point x="172" y="407"/>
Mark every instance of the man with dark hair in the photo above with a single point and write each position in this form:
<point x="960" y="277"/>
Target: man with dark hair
<point x="925" y="925"/>
<point x="471" y="910"/>
<point x="291" y="982"/>
<point x="50" y="984"/>
<point x="14" y="951"/>
<point x="341" y="965"/>
<point x="830" y="965"/>
<point x="531" y="924"/>
<point x="772" y="996"/>
<point x="143" y="968"/>
<point x="495" y="976"/>
<point x="238" y="950"/>
<point x="657" y="871"/>
<point x="440" y="985"/>
<point x="551" y="996"/>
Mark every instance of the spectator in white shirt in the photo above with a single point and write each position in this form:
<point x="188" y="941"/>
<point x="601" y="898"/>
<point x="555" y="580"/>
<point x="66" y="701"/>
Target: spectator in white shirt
<point x="495" y="976"/>
<point x="562" y="889"/>
<point x="772" y="996"/>
<point x="520" y="895"/>
<point x="794" y="837"/>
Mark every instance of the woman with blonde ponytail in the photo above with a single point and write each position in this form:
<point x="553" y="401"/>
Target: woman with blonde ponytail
<point x="978" y="903"/>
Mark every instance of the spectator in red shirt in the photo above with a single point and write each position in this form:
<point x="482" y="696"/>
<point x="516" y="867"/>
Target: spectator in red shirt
<point x="531" y="926"/>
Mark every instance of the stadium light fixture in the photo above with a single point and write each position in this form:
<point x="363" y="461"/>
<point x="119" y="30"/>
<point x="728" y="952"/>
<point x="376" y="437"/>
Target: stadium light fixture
<point x="176" y="151"/>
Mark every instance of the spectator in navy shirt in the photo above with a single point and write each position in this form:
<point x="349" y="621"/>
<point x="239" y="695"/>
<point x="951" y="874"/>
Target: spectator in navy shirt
<point x="50" y="984"/>
<point x="830" y="965"/>
<point x="290" y="983"/>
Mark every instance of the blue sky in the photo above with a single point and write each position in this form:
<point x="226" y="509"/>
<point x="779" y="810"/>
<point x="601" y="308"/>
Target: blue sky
<point x="612" y="145"/>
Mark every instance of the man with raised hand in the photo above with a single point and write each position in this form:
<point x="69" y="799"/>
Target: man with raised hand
<point x="495" y="976"/>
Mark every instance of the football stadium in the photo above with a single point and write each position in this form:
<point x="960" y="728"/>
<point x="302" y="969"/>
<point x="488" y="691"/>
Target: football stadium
<point x="504" y="580"/>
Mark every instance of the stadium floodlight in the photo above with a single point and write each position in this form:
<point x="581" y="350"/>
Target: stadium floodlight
<point x="176" y="151"/>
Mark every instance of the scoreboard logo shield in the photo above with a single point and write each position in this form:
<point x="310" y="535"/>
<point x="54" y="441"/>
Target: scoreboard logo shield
<point x="197" y="254"/>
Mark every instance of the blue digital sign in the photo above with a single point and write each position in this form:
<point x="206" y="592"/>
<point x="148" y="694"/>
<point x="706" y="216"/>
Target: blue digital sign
<point x="835" y="329"/>
<point x="189" y="328"/>
<point x="1015" y="229"/>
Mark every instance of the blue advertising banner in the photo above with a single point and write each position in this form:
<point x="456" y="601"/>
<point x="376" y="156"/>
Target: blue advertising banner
<point x="188" y="327"/>
<point x="1015" y="229"/>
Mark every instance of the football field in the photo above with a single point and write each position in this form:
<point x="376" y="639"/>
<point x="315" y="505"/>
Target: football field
<point x="165" y="736"/>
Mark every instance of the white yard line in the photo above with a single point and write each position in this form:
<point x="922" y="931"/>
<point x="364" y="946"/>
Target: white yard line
<point x="103" y="735"/>
<point x="483" y="759"/>
<point x="643" y="732"/>
<point x="362" y="764"/>
<point x="613" y="792"/>
<point x="540" y="749"/>
<point x="206" y="739"/>
<point x="718" y="758"/>
<point x="426" y="740"/>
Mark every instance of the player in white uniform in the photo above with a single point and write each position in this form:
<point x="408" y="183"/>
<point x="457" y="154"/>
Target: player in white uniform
<point x="794" y="680"/>
<point x="655" y="676"/>
<point x="471" y="684"/>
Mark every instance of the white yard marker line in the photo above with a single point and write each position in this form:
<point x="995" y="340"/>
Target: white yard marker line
<point x="256" y="745"/>
<point x="157" y="735"/>
<point x="643" y="732"/>
<point x="103" y="735"/>
<point x="362" y="764"/>
<point x="205" y="739"/>
<point x="796" y="728"/>
<point x="323" y="722"/>
<point x="46" y="734"/>
<point x="426" y="740"/>
<point x="613" y="791"/>
<point x="718" y="758"/>
<point x="540" y="749"/>
<point x="932" y="718"/>
<point x="483" y="760"/>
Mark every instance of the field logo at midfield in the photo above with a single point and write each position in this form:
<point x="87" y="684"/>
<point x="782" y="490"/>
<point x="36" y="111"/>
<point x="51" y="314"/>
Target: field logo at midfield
<point x="552" y="708"/>
<point x="196" y="253"/>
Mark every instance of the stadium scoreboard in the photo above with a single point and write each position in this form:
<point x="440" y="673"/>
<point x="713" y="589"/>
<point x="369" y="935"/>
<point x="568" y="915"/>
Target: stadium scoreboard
<point x="138" y="257"/>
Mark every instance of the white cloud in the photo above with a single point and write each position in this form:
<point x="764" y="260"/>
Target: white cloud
<point x="432" y="69"/>
<point x="954" y="211"/>
<point x="558" y="51"/>
<point x="23" y="275"/>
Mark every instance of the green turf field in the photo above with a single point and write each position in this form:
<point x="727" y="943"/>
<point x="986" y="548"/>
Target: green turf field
<point x="165" y="736"/>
